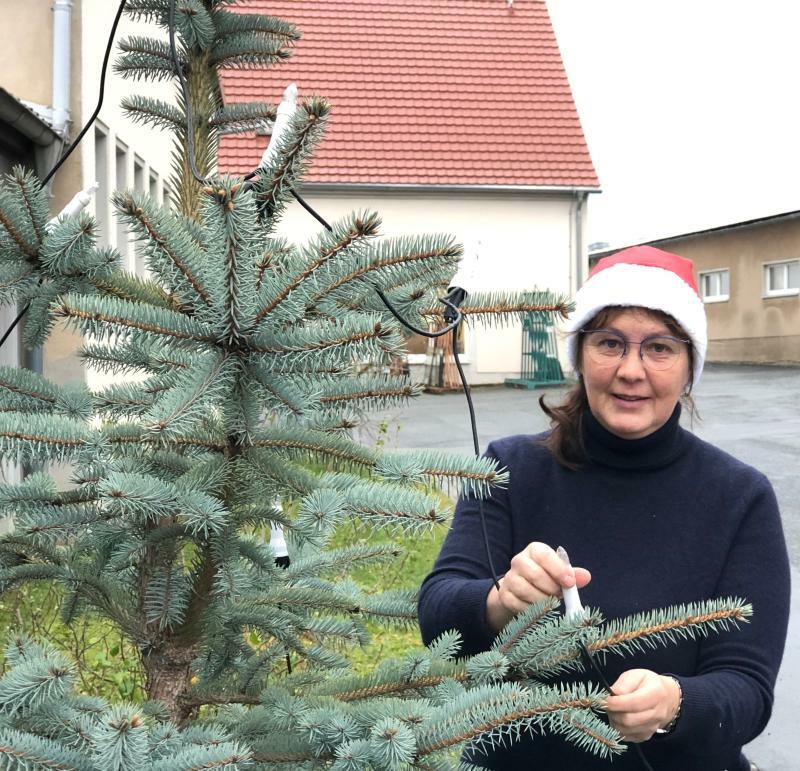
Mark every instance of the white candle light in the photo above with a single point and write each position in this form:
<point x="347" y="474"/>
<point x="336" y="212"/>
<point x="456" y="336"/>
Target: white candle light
<point x="286" y="109"/>
<point x="572" y="600"/>
<point x="77" y="203"/>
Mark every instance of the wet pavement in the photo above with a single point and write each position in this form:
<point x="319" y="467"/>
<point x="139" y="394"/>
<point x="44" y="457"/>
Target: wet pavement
<point x="751" y="412"/>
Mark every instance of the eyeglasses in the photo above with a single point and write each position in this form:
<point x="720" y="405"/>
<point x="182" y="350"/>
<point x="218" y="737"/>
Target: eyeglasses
<point x="606" y="347"/>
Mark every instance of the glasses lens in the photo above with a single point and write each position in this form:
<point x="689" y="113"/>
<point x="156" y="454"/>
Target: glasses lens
<point x="604" y="347"/>
<point x="661" y="352"/>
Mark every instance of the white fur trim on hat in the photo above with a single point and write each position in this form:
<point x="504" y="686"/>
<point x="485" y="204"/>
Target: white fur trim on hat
<point x="643" y="286"/>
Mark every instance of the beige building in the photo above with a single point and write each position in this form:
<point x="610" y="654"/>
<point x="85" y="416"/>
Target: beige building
<point x="50" y="66"/>
<point x="748" y="274"/>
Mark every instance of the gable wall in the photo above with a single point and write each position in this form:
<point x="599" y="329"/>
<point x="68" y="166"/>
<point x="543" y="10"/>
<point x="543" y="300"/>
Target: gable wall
<point x="519" y="241"/>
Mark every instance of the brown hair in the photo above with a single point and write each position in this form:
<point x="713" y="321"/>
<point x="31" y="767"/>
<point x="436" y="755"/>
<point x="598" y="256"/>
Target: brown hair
<point x="565" y="439"/>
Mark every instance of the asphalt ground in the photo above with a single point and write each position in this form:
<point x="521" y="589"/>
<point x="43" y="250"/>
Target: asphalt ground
<point x="751" y="412"/>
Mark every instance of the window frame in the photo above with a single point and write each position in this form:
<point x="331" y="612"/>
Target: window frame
<point x="789" y="291"/>
<point x="715" y="298"/>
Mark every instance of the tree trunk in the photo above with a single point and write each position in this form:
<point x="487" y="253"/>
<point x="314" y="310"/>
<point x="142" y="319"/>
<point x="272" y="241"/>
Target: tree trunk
<point x="203" y="87"/>
<point x="169" y="673"/>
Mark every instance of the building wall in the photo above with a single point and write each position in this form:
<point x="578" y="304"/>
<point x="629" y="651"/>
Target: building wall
<point x="748" y="327"/>
<point x="517" y="241"/>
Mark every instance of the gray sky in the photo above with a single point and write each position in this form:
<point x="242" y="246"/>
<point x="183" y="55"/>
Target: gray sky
<point x="691" y="109"/>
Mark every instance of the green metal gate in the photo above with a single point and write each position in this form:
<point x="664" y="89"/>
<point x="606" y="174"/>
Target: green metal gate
<point x="540" y="366"/>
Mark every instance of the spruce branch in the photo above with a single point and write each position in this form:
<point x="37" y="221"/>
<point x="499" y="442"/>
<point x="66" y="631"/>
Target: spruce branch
<point x="197" y="390"/>
<point x="18" y="233"/>
<point x="126" y="286"/>
<point x="167" y="240"/>
<point x="145" y="58"/>
<point x="154" y="112"/>
<point x="525" y="622"/>
<point x="24" y="388"/>
<point x="102" y="317"/>
<point x="503" y="307"/>
<point x="314" y="444"/>
<point x="34" y="200"/>
<point x="65" y="248"/>
<point x="330" y="344"/>
<point x="33" y="436"/>
<point x="21" y="751"/>
<point x="378" y="393"/>
<point x="242" y="116"/>
<point x="241" y="23"/>
<point x="488" y="713"/>
<point x="417" y="254"/>
<point x="292" y="156"/>
<point x="658" y="627"/>
<point x="473" y="476"/>
<point x="246" y="50"/>
<point x="326" y="247"/>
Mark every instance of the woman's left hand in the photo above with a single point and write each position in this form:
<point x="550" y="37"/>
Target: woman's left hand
<point x="643" y="702"/>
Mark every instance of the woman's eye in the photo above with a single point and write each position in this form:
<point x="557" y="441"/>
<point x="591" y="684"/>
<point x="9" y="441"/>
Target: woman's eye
<point x="660" y="347"/>
<point x="610" y="343"/>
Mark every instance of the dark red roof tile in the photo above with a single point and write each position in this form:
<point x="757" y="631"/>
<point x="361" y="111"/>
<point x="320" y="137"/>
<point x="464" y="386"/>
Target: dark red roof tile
<point x="442" y="92"/>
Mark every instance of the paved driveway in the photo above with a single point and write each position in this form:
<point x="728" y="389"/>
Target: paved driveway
<point x="751" y="412"/>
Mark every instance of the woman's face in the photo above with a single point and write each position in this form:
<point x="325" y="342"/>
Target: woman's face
<point x="627" y="398"/>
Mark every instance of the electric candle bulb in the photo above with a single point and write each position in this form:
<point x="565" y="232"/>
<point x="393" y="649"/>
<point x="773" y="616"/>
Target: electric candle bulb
<point x="77" y="203"/>
<point x="572" y="600"/>
<point x="286" y="109"/>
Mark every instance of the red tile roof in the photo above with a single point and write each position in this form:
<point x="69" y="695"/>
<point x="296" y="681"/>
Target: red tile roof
<point x="424" y="92"/>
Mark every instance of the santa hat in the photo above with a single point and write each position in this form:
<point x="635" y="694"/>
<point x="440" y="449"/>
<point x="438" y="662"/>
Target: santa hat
<point x="644" y="277"/>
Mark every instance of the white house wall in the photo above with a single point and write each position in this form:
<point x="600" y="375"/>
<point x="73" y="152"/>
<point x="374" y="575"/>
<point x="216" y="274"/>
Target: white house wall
<point x="139" y="145"/>
<point x="517" y="241"/>
<point x="117" y="152"/>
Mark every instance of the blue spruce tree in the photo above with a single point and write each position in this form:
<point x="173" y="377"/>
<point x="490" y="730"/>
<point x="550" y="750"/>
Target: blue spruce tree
<point x="243" y="370"/>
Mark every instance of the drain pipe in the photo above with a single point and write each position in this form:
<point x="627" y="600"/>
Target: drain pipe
<point x="579" y="202"/>
<point x="62" y="18"/>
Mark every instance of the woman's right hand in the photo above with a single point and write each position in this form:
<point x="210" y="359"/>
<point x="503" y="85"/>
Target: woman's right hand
<point x="535" y="573"/>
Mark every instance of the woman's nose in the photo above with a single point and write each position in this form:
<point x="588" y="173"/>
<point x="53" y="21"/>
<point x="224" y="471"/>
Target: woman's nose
<point x="631" y="364"/>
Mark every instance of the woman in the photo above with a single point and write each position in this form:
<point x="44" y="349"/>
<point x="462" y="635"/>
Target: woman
<point x="654" y="516"/>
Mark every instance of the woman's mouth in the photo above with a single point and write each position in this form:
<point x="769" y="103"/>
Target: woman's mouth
<point x="629" y="399"/>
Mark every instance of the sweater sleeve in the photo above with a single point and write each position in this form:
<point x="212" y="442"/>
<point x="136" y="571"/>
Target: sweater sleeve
<point x="453" y="596"/>
<point x="728" y="701"/>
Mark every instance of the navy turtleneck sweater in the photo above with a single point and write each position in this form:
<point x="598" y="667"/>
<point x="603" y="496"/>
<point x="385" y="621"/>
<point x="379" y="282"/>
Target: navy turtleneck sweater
<point x="658" y="521"/>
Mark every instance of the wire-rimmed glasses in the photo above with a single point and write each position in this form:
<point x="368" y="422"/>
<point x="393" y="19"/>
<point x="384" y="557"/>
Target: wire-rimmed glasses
<point x="606" y="347"/>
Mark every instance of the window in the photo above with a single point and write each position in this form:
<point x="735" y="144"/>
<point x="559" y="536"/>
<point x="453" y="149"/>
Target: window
<point x="715" y="285"/>
<point x="122" y="183"/>
<point x="103" y="190"/>
<point x="138" y="174"/>
<point x="154" y="186"/>
<point x="782" y="278"/>
<point x="138" y="185"/>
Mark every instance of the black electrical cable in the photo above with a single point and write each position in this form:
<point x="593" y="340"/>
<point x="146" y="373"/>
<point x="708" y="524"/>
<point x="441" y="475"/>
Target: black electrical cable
<point x="96" y="112"/>
<point x="14" y="324"/>
<point x="476" y="445"/>
<point x="416" y="330"/>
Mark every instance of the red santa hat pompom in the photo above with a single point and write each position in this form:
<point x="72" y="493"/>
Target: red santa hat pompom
<point x="643" y="277"/>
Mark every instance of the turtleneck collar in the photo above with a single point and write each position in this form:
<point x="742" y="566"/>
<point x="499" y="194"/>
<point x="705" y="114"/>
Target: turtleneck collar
<point x="648" y="453"/>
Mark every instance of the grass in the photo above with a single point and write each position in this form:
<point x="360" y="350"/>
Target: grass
<point x="405" y="572"/>
<point x="106" y="664"/>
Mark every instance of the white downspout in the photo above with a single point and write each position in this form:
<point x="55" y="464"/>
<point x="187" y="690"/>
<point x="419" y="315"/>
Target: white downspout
<point x="580" y="201"/>
<point x="62" y="17"/>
